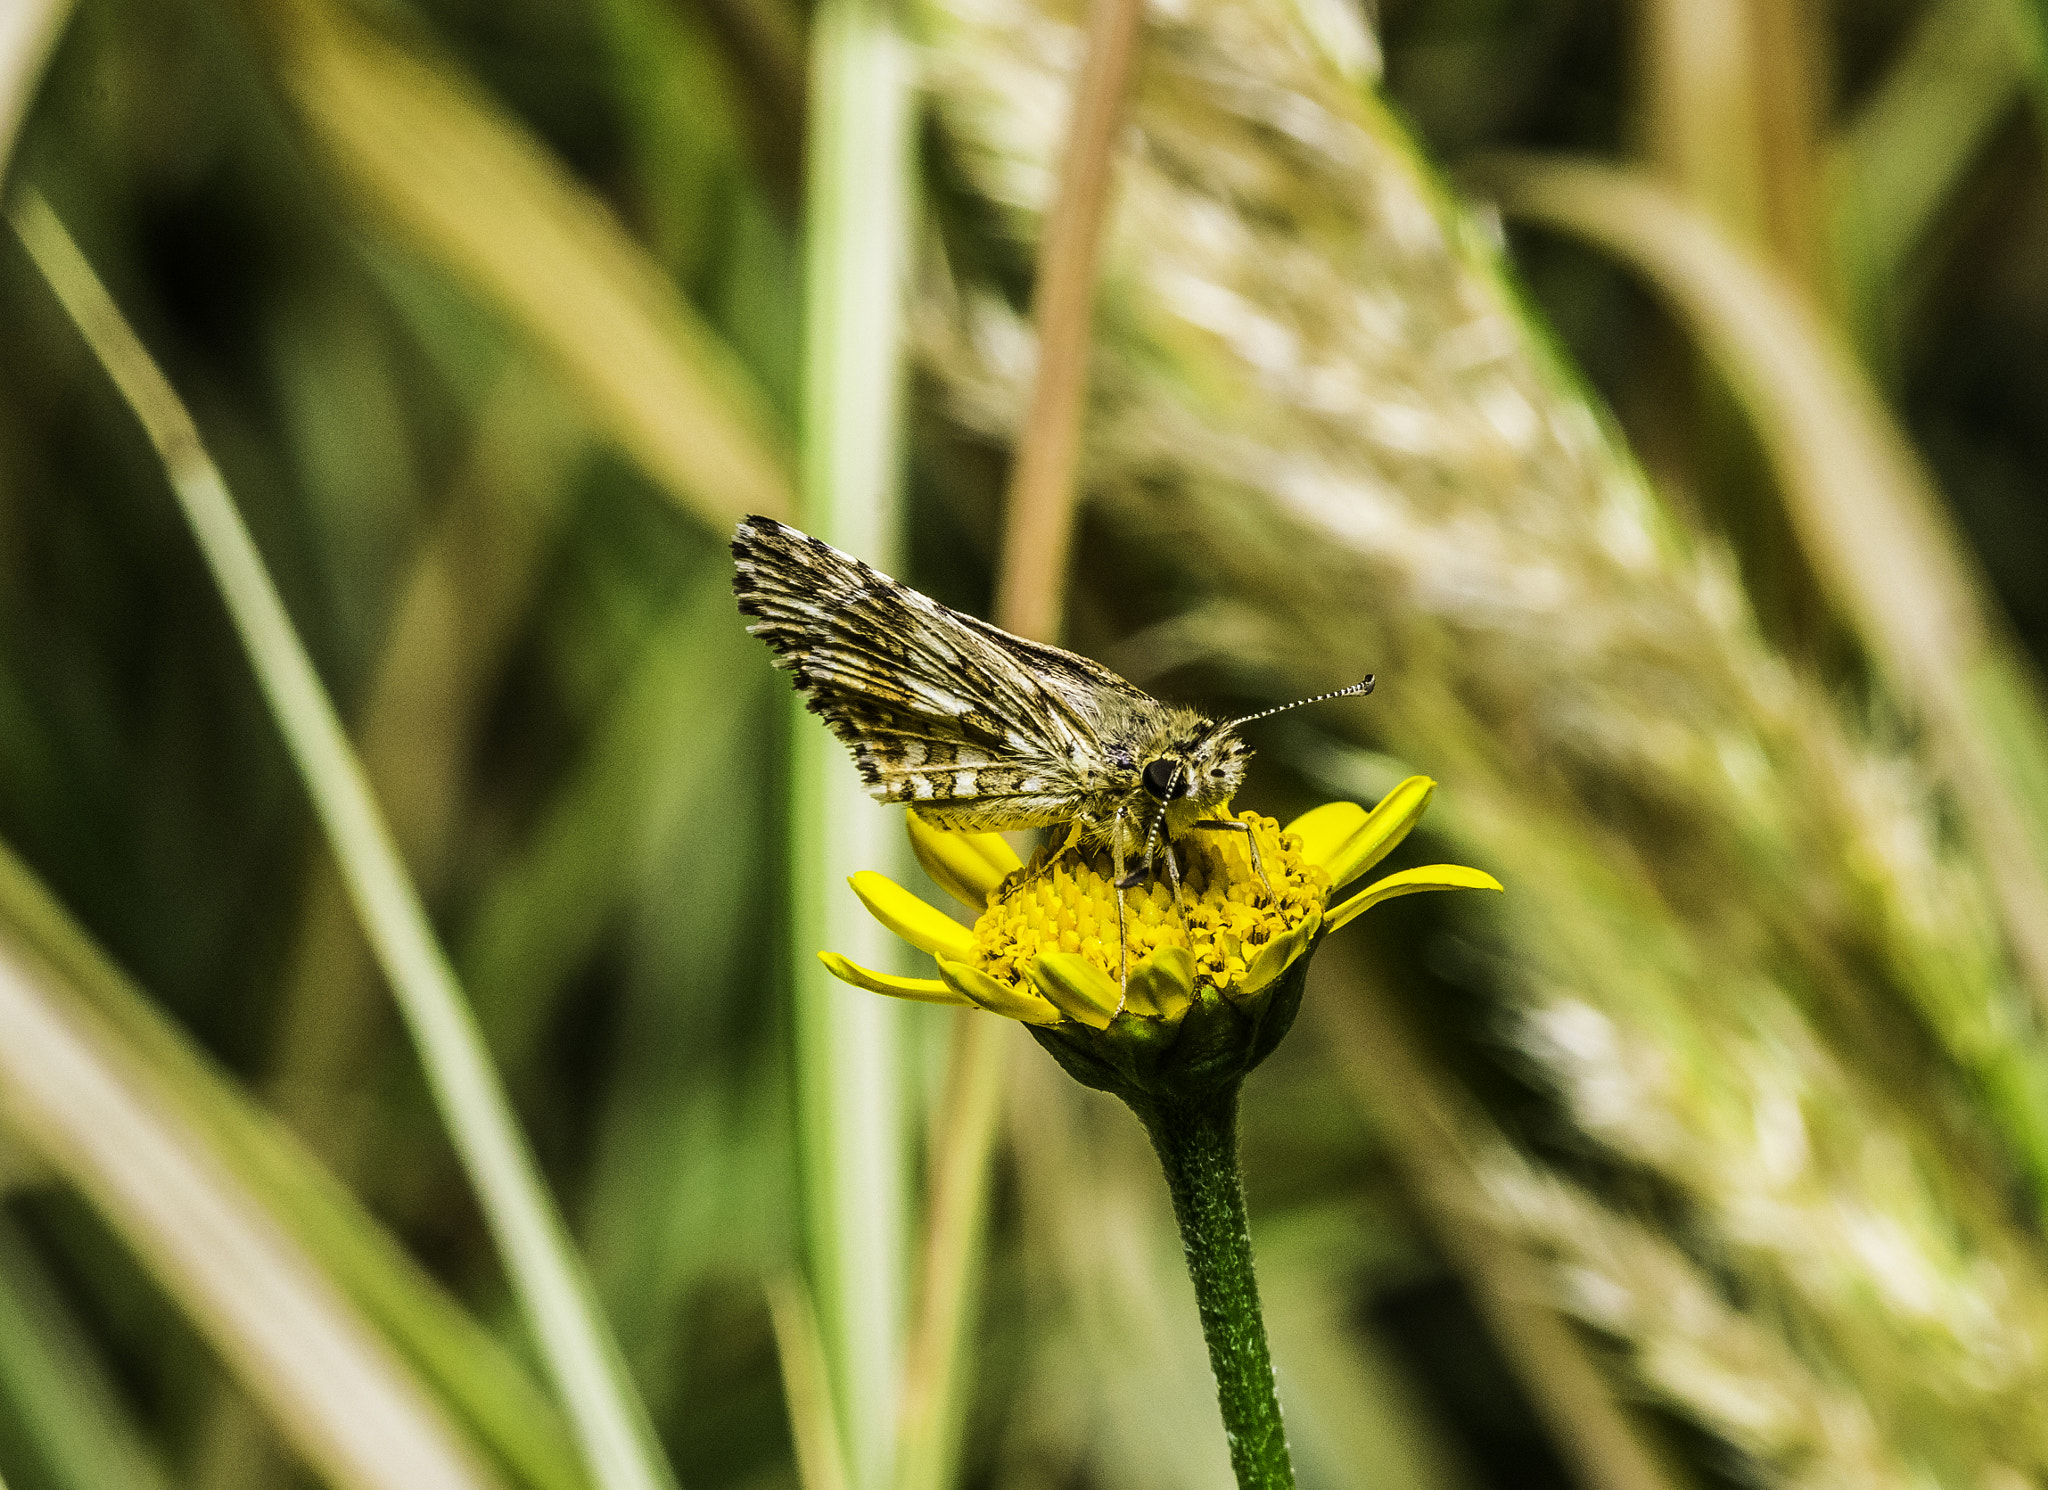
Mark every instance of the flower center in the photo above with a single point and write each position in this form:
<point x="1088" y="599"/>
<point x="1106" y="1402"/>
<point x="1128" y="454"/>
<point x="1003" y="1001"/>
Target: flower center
<point x="1065" y="901"/>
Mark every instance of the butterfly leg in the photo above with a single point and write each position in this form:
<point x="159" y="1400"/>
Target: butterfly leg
<point x="1173" y="879"/>
<point x="1251" y="843"/>
<point x="1044" y="862"/>
<point x="1123" y="946"/>
<point x="1144" y="870"/>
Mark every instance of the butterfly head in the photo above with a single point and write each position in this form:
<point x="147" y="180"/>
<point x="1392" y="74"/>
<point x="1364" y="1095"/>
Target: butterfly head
<point x="1203" y="769"/>
<point x="1206" y="766"/>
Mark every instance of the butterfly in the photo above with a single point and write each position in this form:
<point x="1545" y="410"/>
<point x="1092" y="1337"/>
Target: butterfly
<point x="980" y="730"/>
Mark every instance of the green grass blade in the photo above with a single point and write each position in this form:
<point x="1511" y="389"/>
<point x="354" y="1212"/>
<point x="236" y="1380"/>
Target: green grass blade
<point x="28" y="34"/>
<point x="546" y="911"/>
<point x="1899" y="163"/>
<point x="446" y="171"/>
<point x="68" y="1406"/>
<point x="457" y="614"/>
<point x="850" y="1132"/>
<point x="83" y="1099"/>
<point x="2030" y="19"/>
<point x="820" y="1460"/>
<point x="473" y="1374"/>
<point x="617" y="1441"/>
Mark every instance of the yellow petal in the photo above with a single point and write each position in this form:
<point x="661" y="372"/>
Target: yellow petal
<point x="1325" y="829"/>
<point x="1369" y="839"/>
<point x="925" y="927"/>
<point x="1162" y="985"/>
<point x="998" y="998"/>
<point x="1410" y="882"/>
<point x="922" y="990"/>
<point x="967" y="866"/>
<point x="1077" y="987"/>
<point x="1277" y="956"/>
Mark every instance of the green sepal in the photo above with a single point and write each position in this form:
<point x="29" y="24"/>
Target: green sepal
<point x="1283" y="1002"/>
<point x="1212" y="1048"/>
<point x="1080" y="1058"/>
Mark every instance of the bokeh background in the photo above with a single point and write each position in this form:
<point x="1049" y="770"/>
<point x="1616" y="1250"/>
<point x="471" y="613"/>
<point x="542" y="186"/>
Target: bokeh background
<point x="1654" y="393"/>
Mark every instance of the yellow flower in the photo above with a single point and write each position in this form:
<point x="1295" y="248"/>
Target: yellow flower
<point x="1201" y="992"/>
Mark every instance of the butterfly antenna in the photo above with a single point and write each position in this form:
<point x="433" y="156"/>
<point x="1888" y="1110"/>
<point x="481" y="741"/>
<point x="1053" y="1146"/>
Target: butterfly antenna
<point x="1361" y="687"/>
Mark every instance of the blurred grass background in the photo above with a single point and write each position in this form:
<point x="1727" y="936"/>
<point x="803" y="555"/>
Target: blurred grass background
<point x="1715" y="1158"/>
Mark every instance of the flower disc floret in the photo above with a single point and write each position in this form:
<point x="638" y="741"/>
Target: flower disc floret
<point x="1201" y="988"/>
<point x="1066" y="901"/>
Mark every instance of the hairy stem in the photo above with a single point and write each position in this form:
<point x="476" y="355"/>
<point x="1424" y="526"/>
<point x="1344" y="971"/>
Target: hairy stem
<point x="1197" y="1145"/>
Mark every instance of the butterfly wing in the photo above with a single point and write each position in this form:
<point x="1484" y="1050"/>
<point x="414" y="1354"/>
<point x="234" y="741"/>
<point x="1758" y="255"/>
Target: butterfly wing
<point x="975" y="727"/>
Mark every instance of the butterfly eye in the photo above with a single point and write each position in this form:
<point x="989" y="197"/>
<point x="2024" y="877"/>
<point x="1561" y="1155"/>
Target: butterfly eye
<point x="1165" y="780"/>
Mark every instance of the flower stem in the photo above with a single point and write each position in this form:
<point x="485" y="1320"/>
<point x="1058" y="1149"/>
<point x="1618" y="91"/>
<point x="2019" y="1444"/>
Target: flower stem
<point x="1197" y="1145"/>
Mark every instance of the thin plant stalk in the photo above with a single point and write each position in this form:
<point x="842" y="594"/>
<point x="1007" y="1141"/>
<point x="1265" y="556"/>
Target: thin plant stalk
<point x="849" y="1111"/>
<point x="1197" y="1146"/>
<point x="806" y="1385"/>
<point x="1041" y="497"/>
<point x="617" y="1441"/>
<point x="447" y="634"/>
<point x="455" y="617"/>
<point x="1731" y="123"/>
<point x="956" y="1212"/>
<point x="1037" y="528"/>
